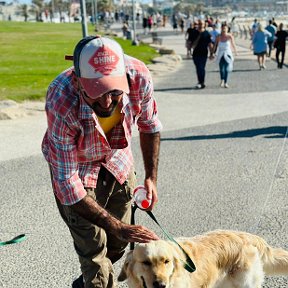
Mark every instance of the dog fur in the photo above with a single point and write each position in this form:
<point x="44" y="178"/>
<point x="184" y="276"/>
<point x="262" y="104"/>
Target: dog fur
<point x="223" y="259"/>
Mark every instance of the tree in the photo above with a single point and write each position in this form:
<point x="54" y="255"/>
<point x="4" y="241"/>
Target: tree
<point x="37" y="8"/>
<point x="199" y="8"/>
<point x="104" y="5"/>
<point x="24" y="11"/>
<point x="190" y="9"/>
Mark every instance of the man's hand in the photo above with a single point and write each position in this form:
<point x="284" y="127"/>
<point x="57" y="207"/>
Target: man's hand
<point x="151" y="192"/>
<point x="89" y="209"/>
<point x="135" y="233"/>
<point x="150" y="145"/>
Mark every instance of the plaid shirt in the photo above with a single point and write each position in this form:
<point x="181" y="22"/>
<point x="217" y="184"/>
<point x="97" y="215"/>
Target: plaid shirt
<point x="75" y="145"/>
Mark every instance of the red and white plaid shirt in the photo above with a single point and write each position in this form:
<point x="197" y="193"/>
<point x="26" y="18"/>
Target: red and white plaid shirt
<point x="75" y="145"/>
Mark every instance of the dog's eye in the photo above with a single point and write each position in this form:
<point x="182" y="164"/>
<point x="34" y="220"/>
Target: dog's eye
<point x="166" y="261"/>
<point x="147" y="263"/>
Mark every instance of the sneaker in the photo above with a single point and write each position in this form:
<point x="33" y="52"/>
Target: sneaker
<point x="198" y="86"/>
<point x="78" y="283"/>
<point x="202" y="86"/>
<point x="263" y="66"/>
<point x="222" y="84"/>
<point x="226" y="85"/>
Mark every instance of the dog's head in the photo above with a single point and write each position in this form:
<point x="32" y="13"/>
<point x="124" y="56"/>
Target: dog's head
<point x="150" y="265"/>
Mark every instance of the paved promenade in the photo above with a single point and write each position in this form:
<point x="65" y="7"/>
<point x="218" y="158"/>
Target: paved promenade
<point x="223" y="165"/>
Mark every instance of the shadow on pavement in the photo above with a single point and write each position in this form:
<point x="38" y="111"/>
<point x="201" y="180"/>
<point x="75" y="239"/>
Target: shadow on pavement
<point x="175" y="89"/>
<point x="246" y="70"/>
<point x="239" y="70"/>
<point x="270" y="132"/>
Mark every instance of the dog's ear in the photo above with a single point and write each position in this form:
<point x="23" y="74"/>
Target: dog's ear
<point x="123" y="274"/>
<point x="175" y="251"/>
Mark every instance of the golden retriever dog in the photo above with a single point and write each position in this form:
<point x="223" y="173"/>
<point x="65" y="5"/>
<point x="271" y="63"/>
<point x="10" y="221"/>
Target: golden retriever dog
<point x="223" y="259"/>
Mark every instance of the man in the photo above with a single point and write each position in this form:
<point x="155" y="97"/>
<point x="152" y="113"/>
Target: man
<point x="200" y="52"/>
<point x="280" y="45"/>
<point x="274" y="22"/>
<point x="189" y="37"/>
<point x="214" y="33"/>
<point x="254" y="27"/>
<point x="270" y="40"/>
<point x="90" y="110"/>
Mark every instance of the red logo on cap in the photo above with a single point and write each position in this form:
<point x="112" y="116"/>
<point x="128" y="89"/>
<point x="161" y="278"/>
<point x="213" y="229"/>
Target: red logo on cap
<point x="104" y="60"/>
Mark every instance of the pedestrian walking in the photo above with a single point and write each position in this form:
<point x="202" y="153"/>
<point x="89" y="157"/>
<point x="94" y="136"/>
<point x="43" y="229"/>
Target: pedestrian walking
<point x="224" y="54"/>
<point x="164" y="20"/>
<point x="259" y="43"/>
<point x="272" y="29"/>
<point x="190" y="36"/>
<point x="174" y="23"/>
<point x="280" y="45"/>
<point x="145" y="23"/>
<point x="200" y="46"/>
<point x="182" y="24"/>
<point x="214" y="33"/>
<point x="125" y="29"/>
<point x="274" y="22"/>
<point x="90" y="109"/>
<point x="150" y="22"/>
<point x="234" y="27"/>
<point x="254" y="28"/>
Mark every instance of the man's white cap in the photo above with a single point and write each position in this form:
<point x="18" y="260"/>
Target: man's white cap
<point x="99" y="66"/>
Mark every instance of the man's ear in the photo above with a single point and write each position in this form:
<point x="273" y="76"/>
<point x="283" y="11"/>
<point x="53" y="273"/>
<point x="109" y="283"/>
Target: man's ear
<point x="123" y="274"/>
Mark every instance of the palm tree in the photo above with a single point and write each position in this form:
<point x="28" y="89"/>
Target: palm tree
<point x="38" y="9"/>
<point x="24" y="11"/>
<point x="61" y="6"/>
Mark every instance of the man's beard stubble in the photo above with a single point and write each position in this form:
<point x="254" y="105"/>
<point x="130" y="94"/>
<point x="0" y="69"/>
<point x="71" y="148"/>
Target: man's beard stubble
<point x="104" y="113"/>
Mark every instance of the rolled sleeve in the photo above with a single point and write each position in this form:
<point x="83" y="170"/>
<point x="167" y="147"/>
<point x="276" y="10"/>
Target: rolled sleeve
<point x="63" y="161"/>
<point x="148" y="121"/>
<point x="70" y="191"/>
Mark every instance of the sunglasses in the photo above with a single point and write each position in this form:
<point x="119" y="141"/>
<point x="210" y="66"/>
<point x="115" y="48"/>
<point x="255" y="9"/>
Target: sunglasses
<point x="112" y="93"/>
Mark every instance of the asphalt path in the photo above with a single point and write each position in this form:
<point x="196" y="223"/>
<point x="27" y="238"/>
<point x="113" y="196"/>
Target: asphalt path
<point x="223" y="165"/>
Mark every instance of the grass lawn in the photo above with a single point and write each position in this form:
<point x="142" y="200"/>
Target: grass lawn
<point x="32" y="55"/>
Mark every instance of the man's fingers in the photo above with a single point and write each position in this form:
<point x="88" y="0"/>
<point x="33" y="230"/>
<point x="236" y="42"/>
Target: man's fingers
<point x="137" y="233"/>
<point x="142" y="234"/>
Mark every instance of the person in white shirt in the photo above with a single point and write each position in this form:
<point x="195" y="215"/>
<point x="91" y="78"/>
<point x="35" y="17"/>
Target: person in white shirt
<point x="224" y="54"/>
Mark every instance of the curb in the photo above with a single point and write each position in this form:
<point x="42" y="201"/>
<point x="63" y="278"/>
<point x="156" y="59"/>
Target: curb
<point x="10" y="110"/>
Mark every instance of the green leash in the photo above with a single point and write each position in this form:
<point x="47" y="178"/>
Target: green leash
<point x="188" y="265"/>
<point x="15" y="240"/>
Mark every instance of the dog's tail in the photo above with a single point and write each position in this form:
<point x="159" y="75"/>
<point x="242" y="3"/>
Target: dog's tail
<point x="275" y="261"/>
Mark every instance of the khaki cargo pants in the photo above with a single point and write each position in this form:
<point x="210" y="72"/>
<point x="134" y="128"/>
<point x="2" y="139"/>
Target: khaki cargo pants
<point x="96" y="248"/>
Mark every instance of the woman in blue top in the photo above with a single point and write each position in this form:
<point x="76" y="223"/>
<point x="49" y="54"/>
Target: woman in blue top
<point x="259" y="43"/>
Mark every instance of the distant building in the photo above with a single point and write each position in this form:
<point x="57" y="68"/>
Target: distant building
<point x="10" y="11"/>
<point x="252" y="5"/>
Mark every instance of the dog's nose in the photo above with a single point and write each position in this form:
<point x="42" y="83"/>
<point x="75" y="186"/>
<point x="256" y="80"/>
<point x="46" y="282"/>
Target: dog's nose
<point x="157" y="284"/>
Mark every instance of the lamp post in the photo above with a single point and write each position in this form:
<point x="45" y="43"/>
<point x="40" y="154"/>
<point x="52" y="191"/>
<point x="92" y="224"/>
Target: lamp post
<point x="53" y="9"/>
<point x="96" y="14"/>
<point x="134" y="40"/>
<point x="83" y="18"/>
